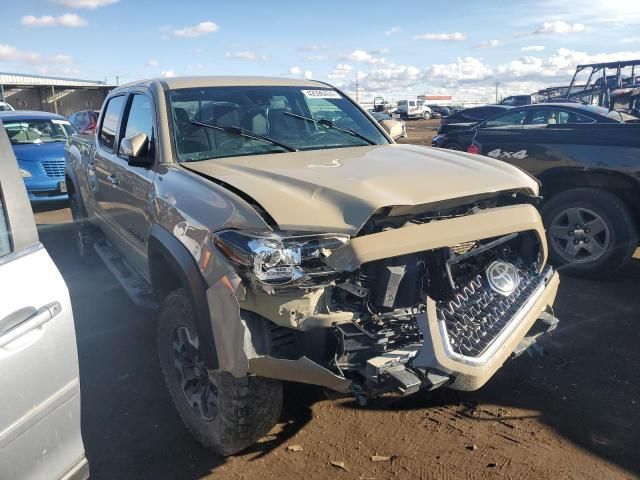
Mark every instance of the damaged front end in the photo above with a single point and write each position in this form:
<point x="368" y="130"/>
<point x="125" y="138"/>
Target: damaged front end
<point x="418" y="299"/>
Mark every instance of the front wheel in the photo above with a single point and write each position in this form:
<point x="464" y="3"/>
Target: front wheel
<point x="426" y="116"/>
<point x="224" y="413"/>
<point x="591" y="232"/>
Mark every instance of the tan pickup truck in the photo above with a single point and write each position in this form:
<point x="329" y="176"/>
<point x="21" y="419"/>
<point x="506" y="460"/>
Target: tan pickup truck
<point x="284" y="236"/>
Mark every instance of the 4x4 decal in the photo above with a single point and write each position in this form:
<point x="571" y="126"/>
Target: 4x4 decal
<point x="498" y="153"/>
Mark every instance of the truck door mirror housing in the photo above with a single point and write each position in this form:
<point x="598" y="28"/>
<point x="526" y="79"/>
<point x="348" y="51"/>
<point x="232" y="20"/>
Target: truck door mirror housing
<point x="133" y="147"/>
<point x="393" y="128"/>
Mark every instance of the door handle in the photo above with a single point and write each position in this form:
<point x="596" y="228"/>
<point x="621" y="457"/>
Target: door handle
<point x="15" y="325"/>
<point x="113" y="178"/>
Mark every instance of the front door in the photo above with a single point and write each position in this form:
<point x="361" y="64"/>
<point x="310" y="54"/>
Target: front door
<point x="39" y="381"/>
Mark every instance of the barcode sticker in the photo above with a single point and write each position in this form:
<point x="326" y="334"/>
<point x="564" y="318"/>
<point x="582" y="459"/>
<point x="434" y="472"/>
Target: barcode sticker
<point x="321" y="94"/>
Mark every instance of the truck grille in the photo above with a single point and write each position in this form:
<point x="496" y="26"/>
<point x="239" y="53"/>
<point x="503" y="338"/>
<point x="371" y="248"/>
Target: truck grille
<point x="53" y="168"/>
<point x="478" y="314"/>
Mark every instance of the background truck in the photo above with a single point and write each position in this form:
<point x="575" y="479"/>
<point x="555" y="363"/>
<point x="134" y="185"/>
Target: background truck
<point x="590" y="175"/>
<point x="413" y="108"/>
<point x="281" y="246"/>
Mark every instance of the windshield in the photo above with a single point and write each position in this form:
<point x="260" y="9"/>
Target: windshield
<point x="38" y="130"/>
<point x="297" y="118"/>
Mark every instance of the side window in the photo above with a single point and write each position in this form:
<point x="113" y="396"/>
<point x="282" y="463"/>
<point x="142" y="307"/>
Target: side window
<point x="509" y="119"/>
<point x="577" y="118"/>
<point x="109" y="126"/>
<point x="412" y="103"/>
<point x="5" y="245"/>
<point x="140" y="120"/>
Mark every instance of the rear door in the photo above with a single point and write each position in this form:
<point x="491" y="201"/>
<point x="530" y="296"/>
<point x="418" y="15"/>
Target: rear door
<point x="39" y="384"/>
<point x="105" y="205"/>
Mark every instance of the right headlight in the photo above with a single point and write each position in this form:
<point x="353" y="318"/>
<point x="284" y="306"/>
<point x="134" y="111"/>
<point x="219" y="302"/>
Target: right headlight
<point x="25" y="173"/>
<point x="280" y="258"/>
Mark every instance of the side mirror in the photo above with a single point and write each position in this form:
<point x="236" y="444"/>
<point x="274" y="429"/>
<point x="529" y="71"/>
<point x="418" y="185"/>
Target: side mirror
<point x="133" y="146"/>
<point x="394" y="128"/>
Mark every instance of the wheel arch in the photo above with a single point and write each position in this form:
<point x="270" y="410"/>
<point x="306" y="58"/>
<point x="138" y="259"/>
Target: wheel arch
<point x="172" y="266"/>
<point x="558" y="180"/>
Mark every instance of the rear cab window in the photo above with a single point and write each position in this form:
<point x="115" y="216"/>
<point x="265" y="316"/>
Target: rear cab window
<point x="110" y="122"/>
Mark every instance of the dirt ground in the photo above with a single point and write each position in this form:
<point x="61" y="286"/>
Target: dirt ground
<point x="570" y="412"/>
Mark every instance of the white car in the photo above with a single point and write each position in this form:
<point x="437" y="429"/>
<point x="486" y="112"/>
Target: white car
<point x="5" y="107"/>
<point x="39" y="383"/>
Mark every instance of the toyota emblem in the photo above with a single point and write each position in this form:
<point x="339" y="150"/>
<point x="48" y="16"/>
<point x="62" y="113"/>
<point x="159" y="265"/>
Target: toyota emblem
<point x="503" y="277"/>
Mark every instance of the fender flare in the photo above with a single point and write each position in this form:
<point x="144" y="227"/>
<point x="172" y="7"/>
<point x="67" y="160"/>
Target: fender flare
<point x="71" y="174"/>
<point x="182" y="263"/>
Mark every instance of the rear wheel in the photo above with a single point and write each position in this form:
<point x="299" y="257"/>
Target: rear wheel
<point x="591" y="232"/>
<point x="426" y="115"/>
<point x="84" y="231"/>
<point x="224" y="413"/>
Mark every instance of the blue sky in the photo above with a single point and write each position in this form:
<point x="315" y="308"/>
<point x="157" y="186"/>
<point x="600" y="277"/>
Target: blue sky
<point x="396" y="49"/>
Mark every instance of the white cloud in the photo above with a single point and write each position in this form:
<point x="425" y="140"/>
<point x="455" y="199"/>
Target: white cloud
<point x="314" y="47"/>
<point x="446" y="37"/>
<point x="464" y="69"/>
<point x="152" y="62"/>
<point x="342" y="70"/>
<point x="488" y="44"/>
<point x="390" y="78"/>
<point x="245" y="55"/>
<point x="362" y="56"/>
<point x="559" y="27"/>
<point x="203" y="28"/>
<point x="168" y="73"/>
<point x="532" y="48"/>
<point x="392" y="30"/>
<point x="298" y="72"/>
<point x="560" y="65"/>
<point x="66" y="20"/>
<point x="89" y="4"/>
<point x="630" y="40"/>
<point x="315" y="58"/>
<point x="10" y="53"/>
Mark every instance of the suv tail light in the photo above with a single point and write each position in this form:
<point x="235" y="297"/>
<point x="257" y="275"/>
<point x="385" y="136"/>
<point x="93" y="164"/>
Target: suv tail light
<point x="473" y="149"/>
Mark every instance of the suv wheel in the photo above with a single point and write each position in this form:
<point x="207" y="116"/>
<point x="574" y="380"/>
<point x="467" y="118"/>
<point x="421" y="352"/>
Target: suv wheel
<point x="426" y="115"/>
<point x="591" y="232"/>
<point x="83" y="230"/>
<point x="224" y="413"/>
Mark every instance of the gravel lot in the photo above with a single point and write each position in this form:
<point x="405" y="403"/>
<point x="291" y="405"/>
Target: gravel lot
<point x="572" y="412"/>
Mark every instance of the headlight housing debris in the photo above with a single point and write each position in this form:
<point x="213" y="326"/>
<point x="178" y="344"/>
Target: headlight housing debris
<point x="281" y="258"/>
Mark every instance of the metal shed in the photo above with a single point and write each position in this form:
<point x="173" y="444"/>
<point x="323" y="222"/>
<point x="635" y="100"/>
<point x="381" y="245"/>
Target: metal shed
<point x="52" y="94"/>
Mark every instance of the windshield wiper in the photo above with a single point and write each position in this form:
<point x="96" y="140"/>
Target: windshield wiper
<point x="330" y="124"/>
<point x="245" y="133"/>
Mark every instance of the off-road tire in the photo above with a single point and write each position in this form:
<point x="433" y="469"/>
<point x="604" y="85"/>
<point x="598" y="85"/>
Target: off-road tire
<point x="83" y="230"/>
<point x="618" y="219"/>
<point x="247" y="407"/>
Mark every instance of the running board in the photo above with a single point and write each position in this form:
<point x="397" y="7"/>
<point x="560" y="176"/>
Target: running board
<point x="136" y="287"/>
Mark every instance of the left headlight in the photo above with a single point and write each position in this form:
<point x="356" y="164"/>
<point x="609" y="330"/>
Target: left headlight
<point x="280" y="258"/>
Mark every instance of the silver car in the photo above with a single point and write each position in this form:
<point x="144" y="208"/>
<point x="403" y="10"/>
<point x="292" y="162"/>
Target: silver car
<point x="39" y="384"/>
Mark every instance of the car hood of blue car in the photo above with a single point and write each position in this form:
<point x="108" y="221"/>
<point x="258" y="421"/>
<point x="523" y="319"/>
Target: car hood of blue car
<point x="36" y="152"/>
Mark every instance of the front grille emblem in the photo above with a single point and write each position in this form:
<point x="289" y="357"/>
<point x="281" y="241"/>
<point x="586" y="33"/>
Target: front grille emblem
<point x="503" y="277"/>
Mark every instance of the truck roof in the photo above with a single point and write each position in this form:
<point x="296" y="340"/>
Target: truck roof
<point x="226" y="81"/>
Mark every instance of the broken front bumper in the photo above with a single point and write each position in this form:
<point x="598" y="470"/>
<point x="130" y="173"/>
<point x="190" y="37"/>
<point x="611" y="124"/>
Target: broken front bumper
<point x="428" y="364"/>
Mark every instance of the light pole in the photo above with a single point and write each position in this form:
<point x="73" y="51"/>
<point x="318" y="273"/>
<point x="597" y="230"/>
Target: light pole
<point x="497" y="83"/>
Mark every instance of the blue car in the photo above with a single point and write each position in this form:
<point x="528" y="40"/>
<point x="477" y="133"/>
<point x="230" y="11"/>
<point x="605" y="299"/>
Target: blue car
<point x="38" y="140"/>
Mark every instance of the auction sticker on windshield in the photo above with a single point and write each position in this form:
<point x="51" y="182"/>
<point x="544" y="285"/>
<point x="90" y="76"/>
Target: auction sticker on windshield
<point x="60" y="122"/>
<point x="321" y="94"/>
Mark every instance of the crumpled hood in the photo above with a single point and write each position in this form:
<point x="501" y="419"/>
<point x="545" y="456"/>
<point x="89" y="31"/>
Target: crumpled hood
<point x="337" y="190"/>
